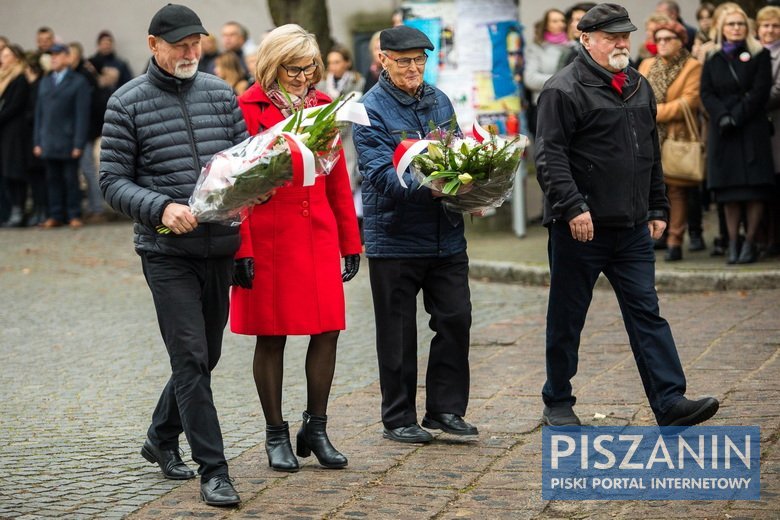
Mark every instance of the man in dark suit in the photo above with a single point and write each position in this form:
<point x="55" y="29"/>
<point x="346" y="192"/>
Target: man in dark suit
<point x="61" y="123"/>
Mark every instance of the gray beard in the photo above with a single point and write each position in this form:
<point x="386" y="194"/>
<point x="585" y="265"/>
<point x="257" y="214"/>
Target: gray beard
<point x="619" y="61"/>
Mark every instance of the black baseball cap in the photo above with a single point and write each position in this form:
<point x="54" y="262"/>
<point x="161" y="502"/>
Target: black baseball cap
<point x="610" y="18"/>
<point x="175" y="22"/>
<point x="403" y="38"/>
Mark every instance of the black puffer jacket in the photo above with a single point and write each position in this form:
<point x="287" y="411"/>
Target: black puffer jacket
<point x="598" y="151"/>
<point x="159" y="132"/>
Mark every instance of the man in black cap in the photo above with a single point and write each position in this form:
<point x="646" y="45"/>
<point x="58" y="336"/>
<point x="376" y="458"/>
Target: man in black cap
<point x="413" y="243"/>
<point x="598" y="162"/>
<point x="160" y="129"/>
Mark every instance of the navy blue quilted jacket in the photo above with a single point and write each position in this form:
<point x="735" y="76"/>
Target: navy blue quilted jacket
<point x="402" y="222"/>
<point x="159" y="132"/>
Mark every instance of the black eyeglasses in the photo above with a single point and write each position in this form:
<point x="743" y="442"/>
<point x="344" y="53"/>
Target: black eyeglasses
<point x="294" y="72"/>
<point x="735" y="24"/>
<point x="405" y="62"/>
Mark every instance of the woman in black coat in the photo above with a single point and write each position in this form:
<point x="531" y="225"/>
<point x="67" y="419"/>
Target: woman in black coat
<point x="735" y="85"/>
<point x="14" y="92"/>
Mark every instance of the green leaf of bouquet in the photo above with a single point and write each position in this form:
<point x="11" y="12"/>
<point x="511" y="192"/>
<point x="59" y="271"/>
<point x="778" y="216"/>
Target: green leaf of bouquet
<point x="451" y="188"/>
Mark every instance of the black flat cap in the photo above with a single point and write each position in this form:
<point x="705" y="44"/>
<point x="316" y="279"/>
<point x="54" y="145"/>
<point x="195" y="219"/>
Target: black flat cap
<point x="175" y="22"/>
<point x="611" y="18"/>
<point x="403" y="38"/>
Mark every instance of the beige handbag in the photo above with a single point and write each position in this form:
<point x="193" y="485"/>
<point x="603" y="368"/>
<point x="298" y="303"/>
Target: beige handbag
<point x="684" y="160"/>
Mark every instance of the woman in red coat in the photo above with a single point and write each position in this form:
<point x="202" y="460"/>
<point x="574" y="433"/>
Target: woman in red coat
<point x="288" y="268"/>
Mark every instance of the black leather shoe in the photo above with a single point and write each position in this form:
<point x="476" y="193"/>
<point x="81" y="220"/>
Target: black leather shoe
<point x="410" y="433"/>
<point x="169" y="460"/>
<point x="449" y="423"/>
<point x="219" y="491"/>
<point x="279" y="449"/>
<point x="696" y="242"/>
<point x="560" y="416"/>
<point x="673" y="254"/>
<point x="688" y="413"/>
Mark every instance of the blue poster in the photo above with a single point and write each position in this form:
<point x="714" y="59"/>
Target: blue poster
<point x="503" y="78"/>
<point x="432" y="29"/>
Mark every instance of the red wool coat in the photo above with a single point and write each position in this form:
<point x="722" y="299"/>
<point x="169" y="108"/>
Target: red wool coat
<point x="297" y="240"/>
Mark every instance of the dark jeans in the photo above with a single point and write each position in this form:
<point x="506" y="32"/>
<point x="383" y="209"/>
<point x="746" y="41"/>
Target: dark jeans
<point x="395" y="284"/>
<point x="63" y="189"/>
<point x="191" y="299"/>
<point x="626" y="258"/>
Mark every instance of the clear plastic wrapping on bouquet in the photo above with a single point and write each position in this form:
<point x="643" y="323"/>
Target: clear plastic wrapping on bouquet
<point x="233" y="179"/>
<point x="474" y="176"/>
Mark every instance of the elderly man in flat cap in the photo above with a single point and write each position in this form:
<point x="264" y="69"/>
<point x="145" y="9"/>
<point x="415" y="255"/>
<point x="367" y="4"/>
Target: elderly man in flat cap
<point x="160" y="130"/>
<point x="598" y="162"/>
<point x="413" y="243"/>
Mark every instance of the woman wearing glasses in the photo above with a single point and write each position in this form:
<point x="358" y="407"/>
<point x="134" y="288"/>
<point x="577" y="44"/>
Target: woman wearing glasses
<point x="674" y="76"/>
<point x="288" y="268"/>
<point x="735" y="85"/>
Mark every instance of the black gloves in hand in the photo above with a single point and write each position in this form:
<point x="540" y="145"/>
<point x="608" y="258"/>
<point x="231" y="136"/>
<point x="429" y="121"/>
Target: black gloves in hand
<point x="351" y="266"/>
<point x="726" y="124"/>
<point x="243" y="272"/>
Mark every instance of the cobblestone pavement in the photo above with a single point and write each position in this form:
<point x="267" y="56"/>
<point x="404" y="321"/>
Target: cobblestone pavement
<point x="84" y="364"/>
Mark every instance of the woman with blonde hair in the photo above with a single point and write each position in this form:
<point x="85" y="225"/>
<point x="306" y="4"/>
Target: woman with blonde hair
<point x="735" y="85"/>
<point x="674" y="76"/>
<point x="228" y="67"/>
<point x="288" y="268"/>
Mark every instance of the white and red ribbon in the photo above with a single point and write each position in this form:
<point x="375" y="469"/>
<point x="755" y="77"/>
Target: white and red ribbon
<point x="405" y="152"/>
<point x="304" y="165"/>
<point x="302" y="160"/>
<point x="480" y="134"/>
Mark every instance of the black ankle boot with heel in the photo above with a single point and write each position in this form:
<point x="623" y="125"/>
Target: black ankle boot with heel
<point x="279" y="449"/>
<point x="312" y="437"/>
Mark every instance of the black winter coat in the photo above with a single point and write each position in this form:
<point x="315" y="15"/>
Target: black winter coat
<point x="597" y="151"/>
<point x="159" y="132"/>
<point x="741" y="157"/>
<point x="13" y="130"/>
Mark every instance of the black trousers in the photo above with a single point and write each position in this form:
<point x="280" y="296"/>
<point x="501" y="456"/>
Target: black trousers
<point x="395" y="284"/>
<point x="626" y="258"/>
<point x="192" y="302"/>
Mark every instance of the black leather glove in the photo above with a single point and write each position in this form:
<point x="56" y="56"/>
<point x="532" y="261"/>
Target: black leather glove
<point x="243" y="272"/>
<point x="726" y="124"/>
<point x="351" y="266"/>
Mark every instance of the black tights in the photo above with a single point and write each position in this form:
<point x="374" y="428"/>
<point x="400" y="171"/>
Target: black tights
<point x="754" y="213"/>
<point x="268" y="370"/>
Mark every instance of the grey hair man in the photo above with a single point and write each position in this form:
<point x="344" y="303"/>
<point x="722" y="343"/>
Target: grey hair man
<point x="598" y="163"/>
<point x="160" y="129"/>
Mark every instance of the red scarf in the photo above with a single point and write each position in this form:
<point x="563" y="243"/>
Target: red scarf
<point x="619" y="81"/>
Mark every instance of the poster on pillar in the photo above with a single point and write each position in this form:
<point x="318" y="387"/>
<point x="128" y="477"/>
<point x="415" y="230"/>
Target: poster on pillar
<point x="477" y="60"/>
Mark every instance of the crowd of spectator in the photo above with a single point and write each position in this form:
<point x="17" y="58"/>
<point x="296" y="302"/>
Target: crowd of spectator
<point x="726" y="69"/>
<point x="52" y="102"/>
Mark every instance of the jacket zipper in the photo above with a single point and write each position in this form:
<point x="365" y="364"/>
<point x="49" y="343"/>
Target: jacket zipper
<point x="635" y="148"/>
<point x="195" y="156"/>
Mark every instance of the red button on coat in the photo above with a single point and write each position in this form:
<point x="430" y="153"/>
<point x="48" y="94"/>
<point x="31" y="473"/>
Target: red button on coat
<point x="305" y="213"/>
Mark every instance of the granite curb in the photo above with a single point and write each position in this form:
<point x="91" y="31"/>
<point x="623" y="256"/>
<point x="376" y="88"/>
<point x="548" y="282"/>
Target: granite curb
<point x="666" y="280"/>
